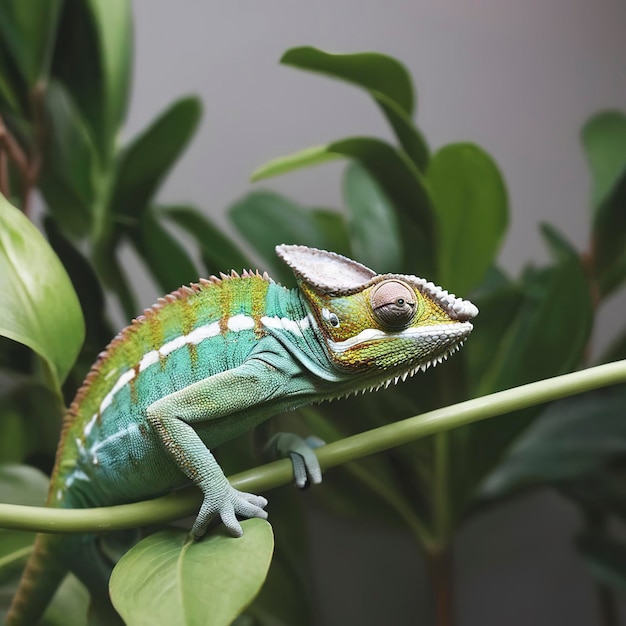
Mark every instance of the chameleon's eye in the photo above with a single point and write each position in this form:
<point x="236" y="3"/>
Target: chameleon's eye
<point x="393" y="304"/>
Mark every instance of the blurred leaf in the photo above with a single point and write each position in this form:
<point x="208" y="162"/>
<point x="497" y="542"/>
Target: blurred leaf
<point x="11" y="88"/>
<point x="604" y="140"/>
<point x="605" y="557"/>
<point x="28" y="28"/>
<point x="371" y="70"/>
<point x="616" y="351"/>
<point x="39" y="307"/>
<point x="68" y="178"/>
<point x="373" y="225"/>
<point x="69" y="606"/>
<point x="386" y="80"/>
<point x="164" y="256"/>
<point x="165" y="577"/>
<point x="267" y="219"/>
<point x="397" y="176"/>
<point x="148" y="158"/>
<point x="93" y="60"/>
<point x="471" y="207"/>
<point x="219" y="252"/>
<point x="572" y="438"/>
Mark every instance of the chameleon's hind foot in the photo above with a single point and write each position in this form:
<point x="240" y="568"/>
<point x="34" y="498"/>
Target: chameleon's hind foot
<point x="306" y="467"/>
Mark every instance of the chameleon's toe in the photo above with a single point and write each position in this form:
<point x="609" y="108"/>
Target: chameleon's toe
<point x="306" y="467"/>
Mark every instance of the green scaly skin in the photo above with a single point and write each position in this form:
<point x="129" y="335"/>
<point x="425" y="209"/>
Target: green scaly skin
<point x="211" y="361"/>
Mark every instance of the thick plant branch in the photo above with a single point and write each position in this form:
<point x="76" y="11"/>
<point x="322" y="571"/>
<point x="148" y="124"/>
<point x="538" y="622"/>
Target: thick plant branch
<point x="179" y="504"/>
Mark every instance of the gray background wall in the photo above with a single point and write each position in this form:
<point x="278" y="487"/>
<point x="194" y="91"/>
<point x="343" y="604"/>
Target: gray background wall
<point x="517" y="77"/>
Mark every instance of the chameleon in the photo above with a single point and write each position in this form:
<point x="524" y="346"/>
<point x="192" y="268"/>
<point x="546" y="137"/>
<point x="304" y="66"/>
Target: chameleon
<point x="212" y="360"/>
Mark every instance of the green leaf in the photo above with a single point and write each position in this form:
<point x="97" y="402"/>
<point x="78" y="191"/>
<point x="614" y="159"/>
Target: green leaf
<point x="93" y="60"/>
<point x="373" y="225"/>
<point x="383" y="77"/>
<point x="471" y="208"/>
<point x="39" y="306"/>
<point x="28" y="28"/>
<point x="604" y="140"/>
<point x="70" y="169"/>
<point x="166" y="579"/>
<point x="148" y="158"/>
<point x="605" y="557"/>
<point x="571" y="438"/>
<point x="397" y="176"/>
<point x="163" y="254"/>
<point x="218" y="251"/>
<point x="267" y="219"/>
<point x="371" y="70"/>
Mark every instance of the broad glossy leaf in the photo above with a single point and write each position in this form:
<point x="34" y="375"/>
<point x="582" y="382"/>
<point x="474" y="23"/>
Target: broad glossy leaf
<point x="219" y="252"/>
<point x="385" y="79"/>
<point x="604" y="140"/>
<point x="399" y="179"/>
<point x="267" y="219"/>
<point x="471" y="208"/>
<point x="39" y="306"/>
<point x="373" y="224"/>
<point x="605" y="557"/>
<point x="28" y="28"/>
<point x="70" y="171"/>
<point x="166" y="580"/>
<point x="149" y="157"/>
<point x="164" y="256"/>
<point x="571" y="438"/>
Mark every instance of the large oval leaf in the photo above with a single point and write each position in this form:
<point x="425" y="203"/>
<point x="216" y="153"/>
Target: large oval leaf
<point x="472" y="213"/>
<point x="167" y="580"/>
<point x="39" y="306"/>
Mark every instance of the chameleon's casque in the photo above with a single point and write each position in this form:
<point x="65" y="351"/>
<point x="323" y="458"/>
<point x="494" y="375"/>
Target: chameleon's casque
<point x="213" y="360"/>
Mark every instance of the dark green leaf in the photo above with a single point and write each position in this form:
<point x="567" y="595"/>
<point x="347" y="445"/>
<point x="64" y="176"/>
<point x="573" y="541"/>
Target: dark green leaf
<point x="373" y="225"/>
<point x="471" y="207"/>
<point x="616" y="351"/>
<point x="28" y="28"/>
<point x="267" y="219"/>
<point x="149" y="157"/>
<point x="70" y="171"/>
<point x="39" y="307"/>
<point x="371" y="70"/>
<point x="397" y="176"/>
<point x="572" y="438"/>
<point x="164" y="256"/>
<point x="219" y="252"/>
<point x="606" y="559"/>
<point x="165" y="579"/>
<point x="385" y="79"/>
<point x="604" y="140"/>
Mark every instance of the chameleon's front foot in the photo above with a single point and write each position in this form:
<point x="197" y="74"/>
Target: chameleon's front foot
<point x="228" y="506"/>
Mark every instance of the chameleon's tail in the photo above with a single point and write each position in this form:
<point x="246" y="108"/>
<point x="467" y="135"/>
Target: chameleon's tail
<point x="43" y="574"/>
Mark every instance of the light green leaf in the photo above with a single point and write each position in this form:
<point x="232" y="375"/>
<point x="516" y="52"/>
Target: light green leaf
<point x="604" y="140"/>
<point x="39" y="307"/>
<point x="167" y="580"/>
<point x="373" y="225"/>
<point x="471" y="207"/>
<point x="28" y="28"/>
<point x="384" y="78"/>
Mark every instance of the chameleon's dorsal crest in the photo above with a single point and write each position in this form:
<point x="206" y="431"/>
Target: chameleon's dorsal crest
<point x="325" y="272"/>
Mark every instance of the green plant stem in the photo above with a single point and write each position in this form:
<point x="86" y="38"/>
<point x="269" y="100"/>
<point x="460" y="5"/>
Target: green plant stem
<point x="177" y="505"/>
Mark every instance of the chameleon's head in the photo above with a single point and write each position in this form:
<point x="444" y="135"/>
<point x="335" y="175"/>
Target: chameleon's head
<point x="382" y="325"/>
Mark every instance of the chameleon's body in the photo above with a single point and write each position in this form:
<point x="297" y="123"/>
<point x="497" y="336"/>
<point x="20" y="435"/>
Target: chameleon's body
<point x="211" y="361"/>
